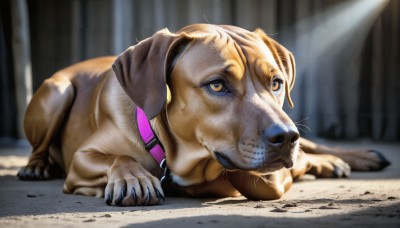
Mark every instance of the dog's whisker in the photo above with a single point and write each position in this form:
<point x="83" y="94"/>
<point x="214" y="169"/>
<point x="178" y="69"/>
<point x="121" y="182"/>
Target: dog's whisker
<point x="205" y="18"/>
<point x="300" y="121"/>
<point x="302" y="126"/>
<point x="304" y="130"/>
<point x="256" y="180"/>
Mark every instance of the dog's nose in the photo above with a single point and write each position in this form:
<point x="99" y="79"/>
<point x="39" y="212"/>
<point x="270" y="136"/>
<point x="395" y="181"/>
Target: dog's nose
<point x="279" y="134"/>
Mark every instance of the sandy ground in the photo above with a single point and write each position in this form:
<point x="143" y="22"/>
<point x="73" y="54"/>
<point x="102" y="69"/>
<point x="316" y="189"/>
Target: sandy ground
<point x="363" y="200"/>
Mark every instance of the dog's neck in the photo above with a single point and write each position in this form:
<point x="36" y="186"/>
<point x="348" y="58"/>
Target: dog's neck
<point x="181" y="174"/>
<point x="159" y="125"/>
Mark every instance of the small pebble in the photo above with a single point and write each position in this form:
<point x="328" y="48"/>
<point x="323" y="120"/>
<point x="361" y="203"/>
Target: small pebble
<point x="290" y="205"/>
<point x="327" y="207"/>
<point x="89" y="220"/>
<point x="278" y="210"/>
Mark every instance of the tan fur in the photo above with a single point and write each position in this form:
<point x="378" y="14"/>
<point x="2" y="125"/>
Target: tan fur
<point x="82" y="119"/>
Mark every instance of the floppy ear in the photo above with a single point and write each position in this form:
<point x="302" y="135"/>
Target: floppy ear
<point x="285" y="61"/>
<point x="141" y="69"/>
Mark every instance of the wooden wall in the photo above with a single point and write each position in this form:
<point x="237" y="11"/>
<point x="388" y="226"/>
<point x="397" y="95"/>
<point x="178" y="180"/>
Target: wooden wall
<point x="351" y="91"/>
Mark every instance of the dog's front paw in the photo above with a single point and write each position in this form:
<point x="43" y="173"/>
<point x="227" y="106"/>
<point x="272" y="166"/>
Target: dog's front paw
<point x="133" y="186"/>
<point x="327" y="166"/>
<point x="134" y="191"/>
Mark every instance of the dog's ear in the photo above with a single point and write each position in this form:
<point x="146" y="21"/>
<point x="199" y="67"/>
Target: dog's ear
<point x="285" y="61"/>
<point x="142" y="69"/>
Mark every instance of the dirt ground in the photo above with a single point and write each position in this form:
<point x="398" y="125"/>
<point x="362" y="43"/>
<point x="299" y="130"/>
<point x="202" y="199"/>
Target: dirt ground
<point x="364" y="200"/>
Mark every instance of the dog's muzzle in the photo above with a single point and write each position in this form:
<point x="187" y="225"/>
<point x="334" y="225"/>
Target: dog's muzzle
<point x="275" y="150"/>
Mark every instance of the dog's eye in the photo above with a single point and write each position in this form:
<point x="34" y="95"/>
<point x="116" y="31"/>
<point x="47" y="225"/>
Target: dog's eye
<point x="217" y="86"/>
<point x="276" y="85"/>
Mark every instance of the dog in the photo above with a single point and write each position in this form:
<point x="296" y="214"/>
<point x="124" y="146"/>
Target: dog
<point x="212" y="97"/>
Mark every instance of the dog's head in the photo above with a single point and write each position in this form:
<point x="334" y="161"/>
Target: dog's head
<point x="227" y="85"/>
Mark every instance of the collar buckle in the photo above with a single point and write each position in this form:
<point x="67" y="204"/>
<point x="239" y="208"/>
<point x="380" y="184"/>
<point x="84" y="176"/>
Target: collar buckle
<point x="152" y="143"/>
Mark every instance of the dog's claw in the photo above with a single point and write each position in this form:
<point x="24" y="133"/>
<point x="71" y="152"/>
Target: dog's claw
<point x="337" y="172"/>
<point x="134" y="195"/>
<point x="340" y="172"/>
<point x="108" y="193"/>
<point x="160" y="195"/>
<point x="383" y="163"/>
<point x="108" y="199"/>
<point x="347" y="170"/>
<point x="148" y="198"/>
<point x="118" y="201"/>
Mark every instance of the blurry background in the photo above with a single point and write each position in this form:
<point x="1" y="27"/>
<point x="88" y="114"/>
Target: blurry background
<point x="347" y="52"/>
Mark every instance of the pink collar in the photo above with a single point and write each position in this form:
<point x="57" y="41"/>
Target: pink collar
<point x="151" y="142"/>
<point x="153" y="145"/>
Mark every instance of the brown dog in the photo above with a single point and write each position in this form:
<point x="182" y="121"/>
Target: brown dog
<point x="222" y="125"/>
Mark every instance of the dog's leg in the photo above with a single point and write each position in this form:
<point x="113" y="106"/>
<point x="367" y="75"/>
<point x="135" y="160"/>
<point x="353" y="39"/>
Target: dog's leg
<point x="359" y="160"/>
<point x="43" y="118"/>
<point x="102" y="166"/>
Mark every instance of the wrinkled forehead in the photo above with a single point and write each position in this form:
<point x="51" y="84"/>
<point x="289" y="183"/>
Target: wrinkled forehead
<point x="252" y="47"/>
<point x="233" y="43"/>
<point x="212" y="55"/>
<point x="229" y="54"/>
